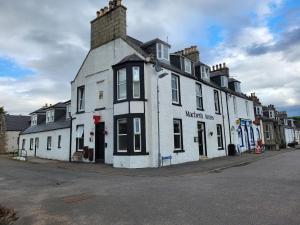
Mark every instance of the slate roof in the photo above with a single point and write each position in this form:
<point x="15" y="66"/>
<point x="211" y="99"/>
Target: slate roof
<point x="41" y="110"/>
<point x="16" y="123"/>
<point x="57" y="105"/>
<point x="130" y="58"/>
<point x="42" y="127"/>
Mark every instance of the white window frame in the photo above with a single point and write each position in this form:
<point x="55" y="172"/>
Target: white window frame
<point x="175" y="89"/>
<point x="119" y="97"/>
<point x="199" y="96"/>
<point x="224" y="81"/>
<point x="79" y="136"/>
<point x="136" y="81"/>
<point x="187" y="66"/>
<point x="178" y="134"/>
<point x="247" y="108"/>
<point x="137" y="132"/>
<point x="237" y="87"/>
<point x="33" y="120"/>
<point x="49" y="143"/>
<point x="23" y="143"/>
<point x="220" y="136"/>
<point x="234" y="105"/>
<point x="31" y="144"/>
<point x="163" y="52"/>
<point x="118" y="135"/>
<point x="50" y="116"/>
<point x="217" y="102"/>
<point x="81" y="99"/>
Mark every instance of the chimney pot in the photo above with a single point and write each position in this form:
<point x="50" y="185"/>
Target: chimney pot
<point x="111" y="5"/>
<point x="220" y="65"/>
<point x="98" y="14"/>
<point x="213" y="68"/>
<point x="217" y="67"/>
<point x="105" y="9"/>
<point x="224" y="65"/>
<point x="119" y="2"/>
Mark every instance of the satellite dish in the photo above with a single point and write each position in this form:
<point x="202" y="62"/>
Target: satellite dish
<point x="157" y="67"/>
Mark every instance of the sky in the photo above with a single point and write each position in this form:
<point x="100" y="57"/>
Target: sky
<point x="44" y="42"/>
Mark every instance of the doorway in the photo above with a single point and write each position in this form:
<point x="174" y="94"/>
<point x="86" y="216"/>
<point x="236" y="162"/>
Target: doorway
<point x="201" y="139"/>
<point x="100" y="142"/>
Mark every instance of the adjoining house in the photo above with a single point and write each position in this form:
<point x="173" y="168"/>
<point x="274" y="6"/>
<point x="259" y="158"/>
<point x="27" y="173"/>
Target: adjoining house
<point x="136" y="105"/>
<point x="10" y="128"/>
<point x="48" y="135"/>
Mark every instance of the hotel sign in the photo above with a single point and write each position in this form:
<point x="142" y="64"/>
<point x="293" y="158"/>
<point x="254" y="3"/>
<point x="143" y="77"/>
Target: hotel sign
<point x="198" y="115"/>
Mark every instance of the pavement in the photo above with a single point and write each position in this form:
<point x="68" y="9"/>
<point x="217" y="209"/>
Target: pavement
<point x="247" y="189"/>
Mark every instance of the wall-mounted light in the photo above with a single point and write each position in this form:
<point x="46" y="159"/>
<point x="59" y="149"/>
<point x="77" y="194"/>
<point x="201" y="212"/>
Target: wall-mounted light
<point x="211" y="133"/>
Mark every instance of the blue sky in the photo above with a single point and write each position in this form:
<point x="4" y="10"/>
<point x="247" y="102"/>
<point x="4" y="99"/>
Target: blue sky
<point x="258" y="39"/>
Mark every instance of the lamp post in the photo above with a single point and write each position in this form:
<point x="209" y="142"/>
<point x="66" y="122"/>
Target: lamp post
<point x="158" y="128"/>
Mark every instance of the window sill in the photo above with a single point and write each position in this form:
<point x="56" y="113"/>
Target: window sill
<point x="130" y="153"/>
<point x="80" y="112"/>
<point x="220" y="149"/>
<point x="200" y="109"/>
<point x="177" y="104"/>
<point x="218" y="113"/>
<point x="178" y="151"/>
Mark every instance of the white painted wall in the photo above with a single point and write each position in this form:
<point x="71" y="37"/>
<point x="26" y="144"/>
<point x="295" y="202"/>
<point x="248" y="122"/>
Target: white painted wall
<point x="289" y="135"/>
<point x="12" y="141"/>
<point x="55" y="153"/>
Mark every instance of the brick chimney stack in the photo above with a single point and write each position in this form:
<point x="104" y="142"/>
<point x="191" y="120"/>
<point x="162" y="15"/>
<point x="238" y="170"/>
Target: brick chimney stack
<point x="220" y="69"/>
<point x="109" y="24"/>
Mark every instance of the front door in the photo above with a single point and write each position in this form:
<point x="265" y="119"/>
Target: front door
<point x="99" y="142"/>
<point x="201" y="139"/>
<point x="36" y="145"/>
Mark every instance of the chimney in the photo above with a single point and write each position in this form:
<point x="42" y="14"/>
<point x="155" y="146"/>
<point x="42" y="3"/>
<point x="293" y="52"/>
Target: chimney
<point x="109" y="24"/>
<point x="192" y="53"/>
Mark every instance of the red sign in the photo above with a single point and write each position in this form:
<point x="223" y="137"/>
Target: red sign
<point x="96" y="119"/>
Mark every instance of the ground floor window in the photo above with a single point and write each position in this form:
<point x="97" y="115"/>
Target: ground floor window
<point x="177" y="131"/>
<point x="220" y="136"/>
<point x="79" y="137"/>
<point x="268" y="132"/>
<point x="49" y="140"/>
<point x="31" y="144"/>
<point x="252" y="136"/>
<point x="130" y="134"/>
<point x="240" y="135"/>
<point x="36" y="143"/>
<point x="59" y="141"/>
<point x="122" y="130"/>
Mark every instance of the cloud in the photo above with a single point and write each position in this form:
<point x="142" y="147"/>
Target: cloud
<point x="51" y="38"/>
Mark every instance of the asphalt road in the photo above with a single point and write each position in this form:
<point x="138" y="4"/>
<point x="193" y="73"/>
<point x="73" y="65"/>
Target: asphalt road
<point x="261" y="193"/>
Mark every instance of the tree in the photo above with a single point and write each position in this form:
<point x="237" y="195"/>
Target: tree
<point x="2" y="110"/>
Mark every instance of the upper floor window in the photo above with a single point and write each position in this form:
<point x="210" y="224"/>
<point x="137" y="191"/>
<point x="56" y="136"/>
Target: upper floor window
<point x="204" y="72"/>
<point x="80" y="99"/>
<point x="224" y="81"/>
<point x="199" y="97"/>
<point x="175" y="89"/>
<point x="237" y="86"/>
<point x="50" y="116"/>
<point x="187" y="66"/>
<point x="136" y="84"/>
<point x="247" y="108"/>
<point x="271" y="114"/>
<point x="121" y="84"/>
<point x="34" y="120"/>
<point x="217" y="102"/>
<point x="234" y="105"/>
<point x="162" y="51"/>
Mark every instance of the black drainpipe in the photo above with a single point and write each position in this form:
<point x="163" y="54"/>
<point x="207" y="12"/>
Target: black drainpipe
<point x="71" y="131"/>
<point x="223" y="123"/>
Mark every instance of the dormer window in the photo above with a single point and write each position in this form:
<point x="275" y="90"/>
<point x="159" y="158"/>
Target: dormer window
<point x="187" y="66"/>
<point x="162" y="51"/>
<point x="34" y="120"/>
<point x="204" y="72"/>
<point x="237" y="87"/>
<point x="50" y="116"/>
<point x="224" y="81"/>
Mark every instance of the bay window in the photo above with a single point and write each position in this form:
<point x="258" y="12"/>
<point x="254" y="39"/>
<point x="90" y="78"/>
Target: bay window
<point x="136" y="82"/>
<point x="122" y="129"/>
<point x="137" y="134"/>
<point x="121" y="84"/>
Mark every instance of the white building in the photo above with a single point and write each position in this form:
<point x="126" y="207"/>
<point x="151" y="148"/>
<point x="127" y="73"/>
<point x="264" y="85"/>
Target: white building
<point x="123" y="81"/>
<point x="48" y="135"/>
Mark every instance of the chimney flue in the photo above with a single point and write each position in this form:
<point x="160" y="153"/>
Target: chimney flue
<point x="217" y="67"/>
<point x="98" y="14"/>
<point x="119" y="2"/>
